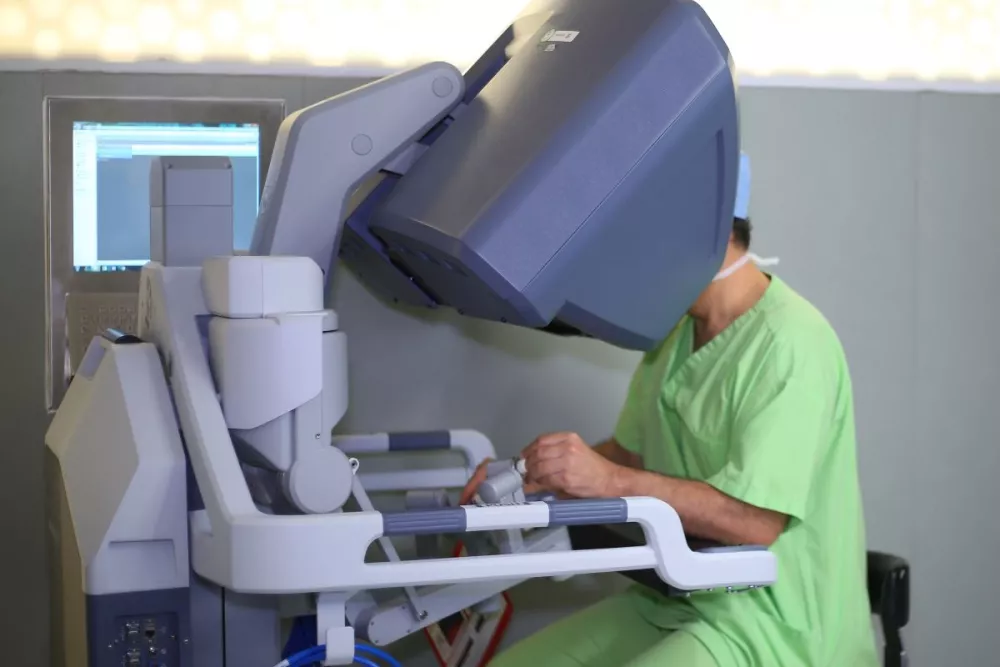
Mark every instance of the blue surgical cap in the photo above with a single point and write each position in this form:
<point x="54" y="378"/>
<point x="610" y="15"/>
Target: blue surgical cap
<point x="743" y="189"/>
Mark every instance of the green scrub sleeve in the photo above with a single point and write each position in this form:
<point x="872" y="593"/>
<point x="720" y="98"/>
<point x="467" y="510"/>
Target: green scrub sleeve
<point x="778" y="441"/>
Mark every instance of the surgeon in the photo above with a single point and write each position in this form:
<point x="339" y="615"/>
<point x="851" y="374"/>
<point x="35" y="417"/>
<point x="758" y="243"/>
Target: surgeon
<point x="742" y="420"/>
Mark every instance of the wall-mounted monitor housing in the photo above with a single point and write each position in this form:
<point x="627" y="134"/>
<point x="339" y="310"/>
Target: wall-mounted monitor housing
<point x="98" y="153"/>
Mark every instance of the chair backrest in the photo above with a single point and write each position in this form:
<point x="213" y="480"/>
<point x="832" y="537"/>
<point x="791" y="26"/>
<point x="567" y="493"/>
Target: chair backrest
<point x="889" y="595"/>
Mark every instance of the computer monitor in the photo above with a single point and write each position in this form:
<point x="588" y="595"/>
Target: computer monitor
<point x="111" y="169"/>
<point x="98" y="152"/>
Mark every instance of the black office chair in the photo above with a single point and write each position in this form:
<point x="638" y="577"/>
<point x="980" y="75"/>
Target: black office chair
<point x="888" y="580"/>
<point x="889" y="595"/>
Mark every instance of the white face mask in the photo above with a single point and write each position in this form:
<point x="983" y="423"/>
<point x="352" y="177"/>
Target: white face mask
<point x="738" y="264"/>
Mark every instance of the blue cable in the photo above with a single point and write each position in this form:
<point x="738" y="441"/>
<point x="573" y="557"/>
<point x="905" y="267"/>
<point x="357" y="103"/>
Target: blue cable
<point x="378" y="653"/>
<point x="307" y="657"/>
<point x="300" y="659"/>
<point x="315" y="654"/>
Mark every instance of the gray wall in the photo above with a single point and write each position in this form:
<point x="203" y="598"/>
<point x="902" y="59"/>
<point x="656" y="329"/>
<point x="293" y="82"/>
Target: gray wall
<point x="881" y="207"/>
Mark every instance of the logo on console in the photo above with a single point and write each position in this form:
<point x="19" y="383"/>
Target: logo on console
<point x="553" y="38"/>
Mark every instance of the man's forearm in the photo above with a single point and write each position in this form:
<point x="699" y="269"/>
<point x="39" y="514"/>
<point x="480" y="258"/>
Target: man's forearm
<point x="614" y="452"/>
<point x="705" y="511"/>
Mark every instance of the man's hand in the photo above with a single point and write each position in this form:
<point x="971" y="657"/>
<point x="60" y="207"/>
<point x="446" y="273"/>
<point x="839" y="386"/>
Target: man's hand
<point x="478" y="477"/>
<point x="565" y="464"/>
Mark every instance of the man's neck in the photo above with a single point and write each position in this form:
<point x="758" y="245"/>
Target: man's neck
<point x="726" y="301"/>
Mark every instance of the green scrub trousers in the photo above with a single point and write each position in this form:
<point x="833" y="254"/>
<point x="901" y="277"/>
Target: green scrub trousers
<point x="611" y="633"/>
<point x="763" y="413"/>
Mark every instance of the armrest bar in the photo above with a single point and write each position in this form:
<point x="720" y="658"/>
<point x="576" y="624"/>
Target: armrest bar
<point x="587" y="537"/>
<point x="475" y="446"/>
<point x="374" y="443"/>
<point x="456" y="519"/>
<point x="419" y="441"/>
<point x="668" y="552"/>
<point x="587" y="512"/>
<point x="425" y="522"/>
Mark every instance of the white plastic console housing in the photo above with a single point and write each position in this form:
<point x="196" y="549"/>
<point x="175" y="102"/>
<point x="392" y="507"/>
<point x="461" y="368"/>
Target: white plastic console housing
<point x="280" y="370"/>
<point x="247" y="287"/>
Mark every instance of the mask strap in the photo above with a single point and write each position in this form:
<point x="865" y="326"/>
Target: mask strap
<point x="741" y="262"/>
<point x="763" y="262"/>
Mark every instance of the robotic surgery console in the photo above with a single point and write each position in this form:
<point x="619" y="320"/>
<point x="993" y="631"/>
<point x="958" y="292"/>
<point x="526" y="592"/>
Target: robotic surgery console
<point x="580" y="178"/>
<point x="602" y="143"/>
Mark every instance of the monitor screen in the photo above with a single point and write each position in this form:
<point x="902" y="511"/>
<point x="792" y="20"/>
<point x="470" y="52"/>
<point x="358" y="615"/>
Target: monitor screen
<point x="111" y="170"/>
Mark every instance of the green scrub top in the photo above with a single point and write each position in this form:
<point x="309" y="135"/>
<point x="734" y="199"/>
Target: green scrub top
<point x="764" y="413"/>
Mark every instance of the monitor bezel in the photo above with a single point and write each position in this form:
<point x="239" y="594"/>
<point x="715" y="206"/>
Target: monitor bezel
<point x="59" y="115"/>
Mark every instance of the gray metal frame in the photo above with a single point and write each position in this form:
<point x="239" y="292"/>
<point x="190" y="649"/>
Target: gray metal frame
<point x="59" y="114"/>
<point x="328" y="150"/>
